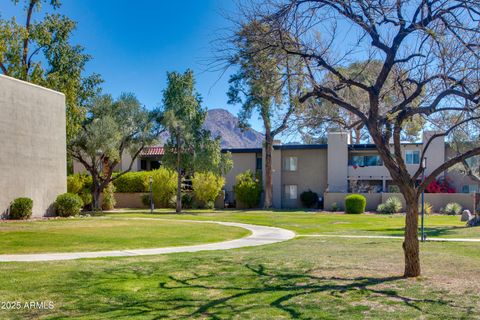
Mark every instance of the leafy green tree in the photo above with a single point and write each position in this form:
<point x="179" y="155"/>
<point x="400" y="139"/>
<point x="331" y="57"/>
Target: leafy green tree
<point x="111" y="129"/>
<point x="265" y="84"/>
<point x="164" y="186"/>
<point x="206" y="187"/>
<point x="248" y="189"/>
<point x="41" y="52"/>
<point x="190" y="147"/>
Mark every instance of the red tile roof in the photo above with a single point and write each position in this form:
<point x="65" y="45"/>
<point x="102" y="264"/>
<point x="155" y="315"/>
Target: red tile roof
<point x="152" y="152"/>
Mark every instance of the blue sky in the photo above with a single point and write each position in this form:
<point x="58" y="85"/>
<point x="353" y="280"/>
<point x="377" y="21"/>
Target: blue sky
<point x="134" y="44"/>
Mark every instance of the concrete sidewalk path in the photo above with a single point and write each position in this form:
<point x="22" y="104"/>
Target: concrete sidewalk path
<point x="260" y="235"/>
<point x="389" y="237"/>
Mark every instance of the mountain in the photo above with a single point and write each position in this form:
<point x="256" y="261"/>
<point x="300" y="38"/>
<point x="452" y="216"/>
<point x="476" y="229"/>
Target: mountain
<point x="223" y="124"/>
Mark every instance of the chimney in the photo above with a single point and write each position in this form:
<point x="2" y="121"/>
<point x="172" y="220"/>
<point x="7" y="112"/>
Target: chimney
<point x="337" y="161"/>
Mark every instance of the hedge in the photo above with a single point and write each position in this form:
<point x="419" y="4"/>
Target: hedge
<point x="21" y="208"/>
<point x="132" y="182"/>
<point x="68" y="204"/>
<point x="309" y="198"/>
<point x="355" y="203"/>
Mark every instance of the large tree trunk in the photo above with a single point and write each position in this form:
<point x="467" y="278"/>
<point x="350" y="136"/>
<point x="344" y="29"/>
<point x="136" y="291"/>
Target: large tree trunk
<point x="411" y="248"/>
<point x="267" y="203"/>
<point x="96" y="198"/>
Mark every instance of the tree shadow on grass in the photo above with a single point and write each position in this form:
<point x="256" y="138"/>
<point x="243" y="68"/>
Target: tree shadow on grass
<point x="250" y="291"/>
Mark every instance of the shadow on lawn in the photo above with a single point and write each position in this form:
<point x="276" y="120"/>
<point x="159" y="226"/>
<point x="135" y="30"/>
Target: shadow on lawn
<point x="248" y="291"/>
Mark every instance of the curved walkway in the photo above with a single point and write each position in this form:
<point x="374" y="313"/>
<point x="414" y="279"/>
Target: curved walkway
<point x="260" y="235"/>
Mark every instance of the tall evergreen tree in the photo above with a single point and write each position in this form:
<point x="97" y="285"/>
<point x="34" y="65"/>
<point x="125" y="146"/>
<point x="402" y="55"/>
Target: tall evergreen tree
<point x="265" y="83"/>
<point x="189" y="147"/>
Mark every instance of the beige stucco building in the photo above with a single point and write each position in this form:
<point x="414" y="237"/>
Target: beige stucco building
<point x="32" y="145"/>
<point x="338" y="167"/>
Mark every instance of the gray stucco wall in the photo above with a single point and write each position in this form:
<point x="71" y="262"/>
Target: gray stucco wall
<point x="311" y="174"/>
<point x="32" y="144"/>
<point x="241" y="163"/>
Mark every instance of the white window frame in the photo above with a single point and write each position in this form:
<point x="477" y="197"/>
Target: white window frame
<point x="412" y="152"/>
<point x="290" y="163"/>
<point x="291" y="191"/>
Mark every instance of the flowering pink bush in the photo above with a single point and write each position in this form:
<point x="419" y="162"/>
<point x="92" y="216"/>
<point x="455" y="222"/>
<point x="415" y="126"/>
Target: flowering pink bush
<point x="441" y="185"/>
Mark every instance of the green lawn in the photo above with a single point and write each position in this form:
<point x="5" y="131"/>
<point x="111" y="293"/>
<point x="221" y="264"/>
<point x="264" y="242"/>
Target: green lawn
<point x="304" y="278"/>
<point x="304" y="222"/>
<point x="96" y="234"/>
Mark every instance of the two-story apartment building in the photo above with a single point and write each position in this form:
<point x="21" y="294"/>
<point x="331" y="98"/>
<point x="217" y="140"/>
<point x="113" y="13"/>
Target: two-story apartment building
<point x="335" y="167"/>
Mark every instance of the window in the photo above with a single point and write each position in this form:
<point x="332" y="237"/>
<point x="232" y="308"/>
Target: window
<point x="374" y="160"/>
<point x="412" y="157"/>
<point x="470" y="188"/>
<point x="258" y="164"/>
<point x="290" y="164"/>
<point x="291" y="191"/>
<point x="365" y="161"/>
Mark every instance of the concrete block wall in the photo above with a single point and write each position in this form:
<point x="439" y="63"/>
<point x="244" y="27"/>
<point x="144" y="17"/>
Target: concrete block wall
<point x="33" y="161"/>
<point x="437" y="200"/>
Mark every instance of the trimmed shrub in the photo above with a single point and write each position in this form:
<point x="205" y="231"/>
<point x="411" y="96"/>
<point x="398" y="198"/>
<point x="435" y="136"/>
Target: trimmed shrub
<point x="392" y="205"/>
<point x="21" y="208"/>
<point x="133" y="182"/>
<point x="109" y="202"/>
<point x="68" y="204"/>
<point x="206" y="187"/>
<point x="309" y="198"/>
<point x="452" y="209"/>
<point x="248" y="189"/>
<point x="164" y="187"/>
<point x="355" y="204"/>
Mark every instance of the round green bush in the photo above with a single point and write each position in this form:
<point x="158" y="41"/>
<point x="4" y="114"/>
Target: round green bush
<point x="309" y="198"/>
<point x="68" y="204"/>
<point x="355" y="204"/>
<point x="21" y="208"/>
